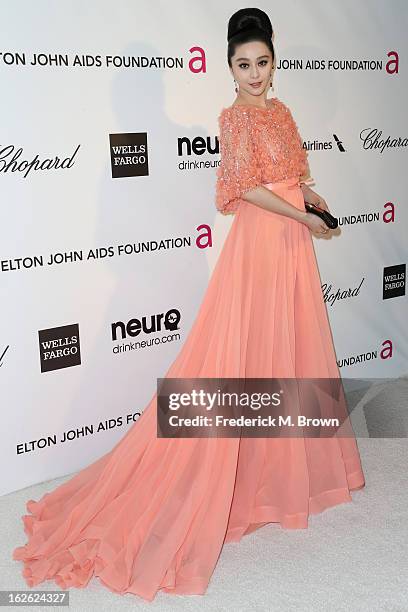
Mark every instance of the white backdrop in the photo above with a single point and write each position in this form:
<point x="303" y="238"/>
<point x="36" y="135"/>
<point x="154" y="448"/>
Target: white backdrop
<point x="342" y="72"/>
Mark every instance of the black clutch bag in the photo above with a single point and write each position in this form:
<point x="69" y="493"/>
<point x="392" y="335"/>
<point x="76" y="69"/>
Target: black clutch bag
<point x="325" y="216"/>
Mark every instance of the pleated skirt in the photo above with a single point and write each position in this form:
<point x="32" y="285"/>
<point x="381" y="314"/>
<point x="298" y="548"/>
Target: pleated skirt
<point x="154" y="513"/>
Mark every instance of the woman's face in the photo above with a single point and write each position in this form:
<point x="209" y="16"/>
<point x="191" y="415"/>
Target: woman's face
<point x="251" y="67"/>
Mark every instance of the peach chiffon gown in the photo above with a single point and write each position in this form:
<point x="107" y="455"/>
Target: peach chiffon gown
<point x="153" y="513"/>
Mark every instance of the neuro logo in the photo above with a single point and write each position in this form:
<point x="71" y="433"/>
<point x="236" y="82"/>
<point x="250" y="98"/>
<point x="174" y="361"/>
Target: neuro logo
<point x="148" y="324"/>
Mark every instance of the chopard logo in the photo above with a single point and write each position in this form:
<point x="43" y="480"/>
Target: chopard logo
<point x="341" y="294"/>
<point x="371" y="138"/>
<point x="10" y="161"/>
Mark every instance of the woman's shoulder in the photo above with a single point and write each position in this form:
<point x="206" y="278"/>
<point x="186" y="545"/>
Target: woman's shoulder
<point x="236" y="111"/>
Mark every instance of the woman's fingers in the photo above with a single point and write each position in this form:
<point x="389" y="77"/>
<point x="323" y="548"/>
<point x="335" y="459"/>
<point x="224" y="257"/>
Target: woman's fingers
<point x="322" y="229"/>
<point x="316" y="224"/>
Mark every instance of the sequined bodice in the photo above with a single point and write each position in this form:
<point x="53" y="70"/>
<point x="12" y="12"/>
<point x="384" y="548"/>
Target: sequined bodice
<point x="257" y="145"/>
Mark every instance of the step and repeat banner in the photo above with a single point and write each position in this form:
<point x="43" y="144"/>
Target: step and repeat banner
<point x="109" y="231"/>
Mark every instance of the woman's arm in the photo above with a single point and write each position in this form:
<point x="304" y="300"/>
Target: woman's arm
<point x="267" y="199"/>
<point x="313" y="198"/>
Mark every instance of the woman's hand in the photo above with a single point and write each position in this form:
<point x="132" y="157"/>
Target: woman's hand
<point x="311" y="197"/>
<point x="315" y="224"/>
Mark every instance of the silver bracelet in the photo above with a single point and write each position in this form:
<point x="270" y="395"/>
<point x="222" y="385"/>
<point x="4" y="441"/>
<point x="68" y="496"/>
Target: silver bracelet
<point x="308" y="181"/>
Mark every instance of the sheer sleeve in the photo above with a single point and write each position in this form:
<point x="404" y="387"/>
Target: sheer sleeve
<point x="239" y="169"/>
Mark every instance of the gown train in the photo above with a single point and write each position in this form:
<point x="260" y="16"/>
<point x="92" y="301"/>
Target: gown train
<point x="153" y="513"/>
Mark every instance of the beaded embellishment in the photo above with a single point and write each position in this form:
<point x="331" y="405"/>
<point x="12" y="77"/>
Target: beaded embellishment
<point x="257" y="145"/>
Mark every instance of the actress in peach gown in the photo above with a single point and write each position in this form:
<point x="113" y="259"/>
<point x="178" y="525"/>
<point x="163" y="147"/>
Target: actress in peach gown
<point x="153" y="513"/>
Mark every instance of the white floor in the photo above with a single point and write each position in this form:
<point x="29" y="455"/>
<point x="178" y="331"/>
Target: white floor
<point x="352" y="557"/>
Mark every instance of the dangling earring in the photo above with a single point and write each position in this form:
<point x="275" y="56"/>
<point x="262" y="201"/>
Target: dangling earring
<point x="236" y="88"/>
<point x="271" y="85"/>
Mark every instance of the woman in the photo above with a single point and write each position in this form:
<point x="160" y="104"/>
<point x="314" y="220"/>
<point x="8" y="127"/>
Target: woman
<point x="154" y="513"/>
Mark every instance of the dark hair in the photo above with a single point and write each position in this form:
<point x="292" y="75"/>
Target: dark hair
<point x="248" y="25"/>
